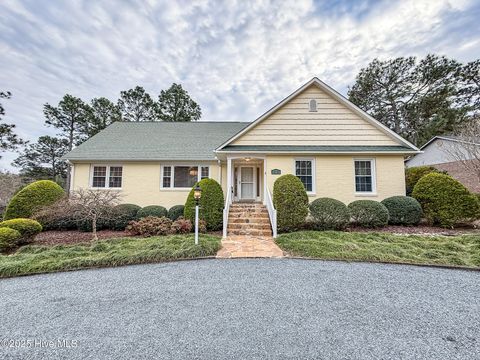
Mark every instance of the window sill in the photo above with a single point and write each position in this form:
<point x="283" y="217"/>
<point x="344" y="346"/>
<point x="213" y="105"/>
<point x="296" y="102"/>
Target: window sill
<point x="366" y="194"/>
<point x="175" y="189"/>
<point x="311" y="194"/>
<point x="104" y="188"/>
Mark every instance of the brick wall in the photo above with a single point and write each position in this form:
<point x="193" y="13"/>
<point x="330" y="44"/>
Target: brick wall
<point x="457" y="170"/>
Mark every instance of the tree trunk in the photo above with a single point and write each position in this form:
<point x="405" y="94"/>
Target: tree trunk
<point x="94" y="228"/>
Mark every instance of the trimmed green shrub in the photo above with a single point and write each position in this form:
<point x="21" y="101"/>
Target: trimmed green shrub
<point x="329" y="214"/>
<point x="33" y="197"/>
<point x="368" y="213"/>
<point x="445" y="201"/>
<point x="56" y="222"/>
<point x="413" y="174"/>
<point x="175" y="212"/>
<point x="183" y="226"/>
<point x="152" y="210"/>
<point x="291" y="202"/>
<point x="27" y="228"/>
<point x="150" y="226"/>
<point x="124" y="213"/>
<point x="211" y="204"/>
<point x="403" y="210"/>
<point x="9" y="238"/>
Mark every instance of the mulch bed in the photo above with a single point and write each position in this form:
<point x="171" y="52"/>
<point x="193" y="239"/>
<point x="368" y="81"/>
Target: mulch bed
<point x="420" y="230"/>
<point x="74" y="237"/>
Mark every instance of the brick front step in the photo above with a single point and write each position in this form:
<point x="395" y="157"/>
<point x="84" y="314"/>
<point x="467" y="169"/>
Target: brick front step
<point x="251" y="232"/>
<point x="248" y="219"/>
<point x="246" y="226"/>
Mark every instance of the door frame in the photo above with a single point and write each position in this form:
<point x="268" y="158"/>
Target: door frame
<point x="254" y="183"/>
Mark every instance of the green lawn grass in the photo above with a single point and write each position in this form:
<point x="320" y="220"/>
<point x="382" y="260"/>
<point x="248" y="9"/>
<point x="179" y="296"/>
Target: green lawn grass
<point x="35" y="259"/>
<point x="436" y="250"/>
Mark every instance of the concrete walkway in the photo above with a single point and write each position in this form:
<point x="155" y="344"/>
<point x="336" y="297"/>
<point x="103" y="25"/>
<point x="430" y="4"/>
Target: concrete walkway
<point x="241" y="246"/>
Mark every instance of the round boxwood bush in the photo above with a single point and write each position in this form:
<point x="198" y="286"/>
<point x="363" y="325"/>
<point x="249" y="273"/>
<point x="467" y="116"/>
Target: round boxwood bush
<point x="291" y="202"/>
<point x="175" y="212"/>
<point x="152" y="210"/>
<point x="403" y="210"/>
<point x="32" y="198"/>
<point x="329" y="214"/>
<point x="211" y="204"/>
<point x="368" y="213"/>
<point x="445" y="201"/>
<point x="9" y="238"/>
<point x="124" y="213"/>
<point x="413" y="174"/>
<point x="27" y="228"/>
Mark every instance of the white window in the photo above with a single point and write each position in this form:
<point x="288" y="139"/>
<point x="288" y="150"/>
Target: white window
<point x="106" y="176"/>
<point x="313" y="105"/>
<point x="365" y="176"/>
<point x="305" y="171"/>
<point x="183" y="176"/>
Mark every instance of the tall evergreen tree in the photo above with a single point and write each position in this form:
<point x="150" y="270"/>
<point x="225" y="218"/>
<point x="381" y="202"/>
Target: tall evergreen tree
<point x="42" y="160"/>
<point x="136" y="105"/>
<point x="175" y="104"/>
<point x="102" y="113"/>
<point x="416" y="99"/>
<point x="69" y="117"/>
<point x="8" y="139"/>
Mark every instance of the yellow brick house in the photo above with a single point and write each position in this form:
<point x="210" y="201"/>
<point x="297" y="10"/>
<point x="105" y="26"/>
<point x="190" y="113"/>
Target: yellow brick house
<point x="336" y="149"/>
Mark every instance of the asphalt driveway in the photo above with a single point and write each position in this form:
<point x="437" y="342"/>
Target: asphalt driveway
<point x="243" y="309"/>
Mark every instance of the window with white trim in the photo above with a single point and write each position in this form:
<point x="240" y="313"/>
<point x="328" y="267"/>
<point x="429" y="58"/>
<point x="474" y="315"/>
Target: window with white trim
<point x="364" y="176"/>
<point x="183" y="176"/>
<point x="304" y="171"/>
<point x="106" y="176"/>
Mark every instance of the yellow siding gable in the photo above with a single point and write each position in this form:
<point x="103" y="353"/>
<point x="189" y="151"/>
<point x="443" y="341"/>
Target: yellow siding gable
<point x="332" y="124"/>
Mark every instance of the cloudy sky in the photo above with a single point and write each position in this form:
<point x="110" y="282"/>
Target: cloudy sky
<point x="236" y="58"/>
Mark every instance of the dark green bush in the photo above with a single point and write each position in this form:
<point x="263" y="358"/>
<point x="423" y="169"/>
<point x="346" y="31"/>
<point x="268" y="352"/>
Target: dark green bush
<point x="123" y="214"/>
<point x="56" y="222"/>
<point x="211" y="204"/>
<point x="150" y="226"/>
<point x="152" y="210"/>
<point x="9" y="238"/>
<point x="33" y="197"/>
<point x="291" y="202"/>
<point x="175" y="212"/>
<point x="413" y="174"/>
<point x="329" y="214"/>
<point x="445" y="201"/>
<point x="27" y="228"/>
<point x="403" y="210"/>
<point x="368" y="213"/>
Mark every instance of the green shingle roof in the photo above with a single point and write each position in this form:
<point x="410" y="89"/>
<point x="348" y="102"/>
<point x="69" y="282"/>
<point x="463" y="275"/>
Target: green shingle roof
<point x="316" y="149"/>
<point x="157" y="141"/>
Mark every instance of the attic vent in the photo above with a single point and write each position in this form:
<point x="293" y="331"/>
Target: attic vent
<point x="313" y="105"/>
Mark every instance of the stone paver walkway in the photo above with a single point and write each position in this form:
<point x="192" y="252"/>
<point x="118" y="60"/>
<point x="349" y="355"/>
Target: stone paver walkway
<point x="238" y="246"/>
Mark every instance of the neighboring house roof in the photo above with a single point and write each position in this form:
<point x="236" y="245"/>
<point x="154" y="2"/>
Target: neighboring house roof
<point x="143" y="141"/>
<point x="442" y="149"/>
<point x="315" y="149"/>
<point x="335" y="95"/>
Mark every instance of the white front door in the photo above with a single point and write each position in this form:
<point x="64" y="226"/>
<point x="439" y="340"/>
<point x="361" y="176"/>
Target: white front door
<point x="247" y="183"/>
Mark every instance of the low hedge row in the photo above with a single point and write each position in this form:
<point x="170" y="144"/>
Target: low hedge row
<point x="332" y="214"/>
<point x="154" y="226"/>
<point x="123" y="214"/>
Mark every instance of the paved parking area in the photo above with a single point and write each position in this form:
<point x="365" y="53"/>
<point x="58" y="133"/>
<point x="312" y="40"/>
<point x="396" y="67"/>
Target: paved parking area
<point x="245" y="309"/>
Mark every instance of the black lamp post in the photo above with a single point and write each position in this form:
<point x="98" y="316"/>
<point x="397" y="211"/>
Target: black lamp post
<point x="197" y="194"/>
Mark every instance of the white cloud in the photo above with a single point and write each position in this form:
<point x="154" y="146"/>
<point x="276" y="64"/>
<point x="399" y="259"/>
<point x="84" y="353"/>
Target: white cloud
<point x="237" y="59"/>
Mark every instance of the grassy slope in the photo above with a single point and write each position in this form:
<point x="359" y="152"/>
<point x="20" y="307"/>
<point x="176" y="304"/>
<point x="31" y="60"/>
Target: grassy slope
<point x="41" y="259"/>
<point x="440" y="250"/>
